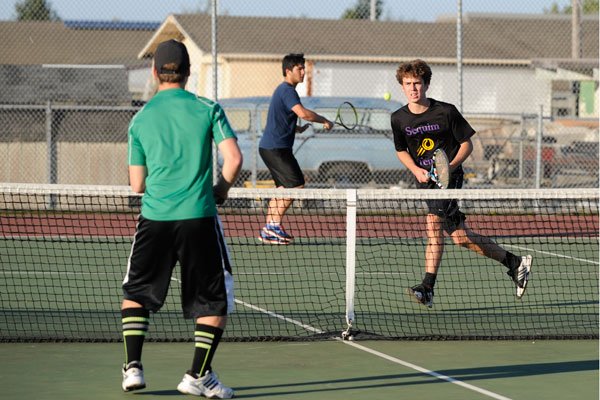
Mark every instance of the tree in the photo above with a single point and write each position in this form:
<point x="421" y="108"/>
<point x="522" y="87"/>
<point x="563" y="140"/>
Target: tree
<point x="587" y="7"/>
<point x="35" y="10"/>
<point x="362" y="10"/>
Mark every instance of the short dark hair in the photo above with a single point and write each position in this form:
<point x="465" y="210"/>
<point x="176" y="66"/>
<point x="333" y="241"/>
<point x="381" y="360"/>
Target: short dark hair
<point x="417" y="68"/>
<point x="291" y="60"/>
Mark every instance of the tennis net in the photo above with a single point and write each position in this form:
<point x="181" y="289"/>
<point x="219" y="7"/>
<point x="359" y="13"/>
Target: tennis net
<point x="64" y="250"/>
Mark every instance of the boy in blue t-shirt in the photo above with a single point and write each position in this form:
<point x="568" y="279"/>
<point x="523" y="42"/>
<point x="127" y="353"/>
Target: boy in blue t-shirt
<point x="275" y="147"/>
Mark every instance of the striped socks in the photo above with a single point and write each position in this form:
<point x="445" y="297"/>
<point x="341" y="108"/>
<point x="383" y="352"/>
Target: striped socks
<point x="135" y="326"/>
<point x="206" y="339"/>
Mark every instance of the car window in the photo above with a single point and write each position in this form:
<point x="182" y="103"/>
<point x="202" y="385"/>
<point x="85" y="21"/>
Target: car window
<point x="379" y="120"/>
<point x="373" y="114"/>
<point x="263" y="119"/>
<point x="240" y="120"/>
<point x="368" y="120"/>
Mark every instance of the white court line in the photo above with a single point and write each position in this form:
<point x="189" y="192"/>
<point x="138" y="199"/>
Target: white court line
<point x="386" y="273"/>
<point x="377" y="353"/>
<point x="279" y="316"/>
<point x="554" y="254"/>
<point x="424" y="371"/>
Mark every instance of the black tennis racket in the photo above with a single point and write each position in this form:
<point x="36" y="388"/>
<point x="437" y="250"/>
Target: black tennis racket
<point x="347" y="116"/>
<point x="440" y="169"/>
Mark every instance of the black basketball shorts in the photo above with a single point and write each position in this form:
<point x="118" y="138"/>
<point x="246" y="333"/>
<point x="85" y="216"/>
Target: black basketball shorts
<point x="447" y="209"/>
<point x="198" y="245"/>
<point x="283" y="166"/>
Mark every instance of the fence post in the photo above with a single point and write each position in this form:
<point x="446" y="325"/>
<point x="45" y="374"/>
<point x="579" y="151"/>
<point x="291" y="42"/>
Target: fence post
<point x="522" y="138"/>
<point x="51" y="161"/>
<point x="51" y="156"/>
<point x="459" y="54"/>
<point x="538" y="148"/>
<point x="213" y="19"/>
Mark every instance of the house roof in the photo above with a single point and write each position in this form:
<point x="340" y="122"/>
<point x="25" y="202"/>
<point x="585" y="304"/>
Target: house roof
<point x="43" y="42"/>
<point x="492" y="37"/>
<point x="567" y="69"/>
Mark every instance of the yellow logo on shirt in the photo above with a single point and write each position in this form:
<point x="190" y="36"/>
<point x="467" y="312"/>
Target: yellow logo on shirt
<point x="426" y="145"/>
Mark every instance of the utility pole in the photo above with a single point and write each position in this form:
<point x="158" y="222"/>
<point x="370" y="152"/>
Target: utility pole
<point x="373" y="15"/>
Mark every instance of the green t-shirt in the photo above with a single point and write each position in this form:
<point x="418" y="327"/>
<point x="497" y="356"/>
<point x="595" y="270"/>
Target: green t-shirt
<point x="172" y="136"/>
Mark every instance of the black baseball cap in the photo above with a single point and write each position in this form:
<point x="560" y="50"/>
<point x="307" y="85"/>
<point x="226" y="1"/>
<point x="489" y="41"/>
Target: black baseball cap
<point x="172" y="52"/>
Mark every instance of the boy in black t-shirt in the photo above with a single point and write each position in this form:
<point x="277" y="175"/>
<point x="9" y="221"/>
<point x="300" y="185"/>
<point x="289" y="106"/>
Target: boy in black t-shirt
<point x="420" y="127"/>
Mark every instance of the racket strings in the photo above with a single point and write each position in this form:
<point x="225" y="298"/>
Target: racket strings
<point x="441" y="169"/>
<point x="347" y="116"/>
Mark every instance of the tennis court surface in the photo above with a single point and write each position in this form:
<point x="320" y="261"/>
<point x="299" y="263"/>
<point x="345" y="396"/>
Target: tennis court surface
<point x="64" y="249"/>
<point x="323" y="370"/>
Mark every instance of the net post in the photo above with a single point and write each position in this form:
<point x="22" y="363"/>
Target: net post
<point x="350" y="259"/>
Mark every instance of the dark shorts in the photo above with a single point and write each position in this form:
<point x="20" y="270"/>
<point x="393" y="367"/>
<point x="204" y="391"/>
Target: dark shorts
<point x="283" y="166"/>
<point x="198" y="244"/>
<point x="447" y="210"/>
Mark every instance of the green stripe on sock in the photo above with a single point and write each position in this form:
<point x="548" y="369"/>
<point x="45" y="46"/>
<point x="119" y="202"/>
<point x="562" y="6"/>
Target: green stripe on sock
<point x="204" y="334"/>
<point x="134" y="333"/>
<point x="135" y="319"/>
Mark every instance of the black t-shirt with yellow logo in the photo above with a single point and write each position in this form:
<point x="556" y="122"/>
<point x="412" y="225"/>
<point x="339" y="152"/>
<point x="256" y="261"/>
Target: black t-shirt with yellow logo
<point x="440" y="126"/>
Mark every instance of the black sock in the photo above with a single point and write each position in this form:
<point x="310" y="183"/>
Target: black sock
<point x="135" y="326"/>
<point x="511" y="261"/>
<point x="206" y="340"/>
<point x="429" y="280"/>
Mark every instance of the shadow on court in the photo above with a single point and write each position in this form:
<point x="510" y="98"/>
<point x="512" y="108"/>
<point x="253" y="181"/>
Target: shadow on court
<point x="159" y="393"/>
<point x="316" y="370"/>
<point x="382" y="381"/>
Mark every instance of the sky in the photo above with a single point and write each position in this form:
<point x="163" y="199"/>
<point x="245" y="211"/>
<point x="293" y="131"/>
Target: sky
<point x="157" y="10"/>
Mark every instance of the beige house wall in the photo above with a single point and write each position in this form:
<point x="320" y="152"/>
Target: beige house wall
<point x="253" y="78"/>
<point x="240" y="78"/>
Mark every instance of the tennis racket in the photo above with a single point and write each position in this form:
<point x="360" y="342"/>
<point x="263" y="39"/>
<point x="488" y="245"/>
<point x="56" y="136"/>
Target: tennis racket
<point x="440" y="169"/>
<point x="347" y="116"/>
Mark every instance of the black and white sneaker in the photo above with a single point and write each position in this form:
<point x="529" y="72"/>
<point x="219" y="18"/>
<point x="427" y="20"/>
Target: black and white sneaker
<point x="421" y="294"/>
<point x="520" y="275"/>
<point x="208" y="386"/>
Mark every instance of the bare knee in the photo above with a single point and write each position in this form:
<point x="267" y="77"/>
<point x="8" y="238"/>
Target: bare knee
<point x="461" y="238"/>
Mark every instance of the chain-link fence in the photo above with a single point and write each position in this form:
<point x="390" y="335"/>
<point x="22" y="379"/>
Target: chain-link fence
<point x="528" y="83"/>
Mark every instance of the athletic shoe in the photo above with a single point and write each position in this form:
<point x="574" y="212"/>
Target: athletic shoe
<point x="207" y="386"/>
<point x="266" y="237"/>
<point x="421" y="294"/>
<point x="520" y="275"/>
<point x="133" y="376"/>
<point x="278" y="232"/>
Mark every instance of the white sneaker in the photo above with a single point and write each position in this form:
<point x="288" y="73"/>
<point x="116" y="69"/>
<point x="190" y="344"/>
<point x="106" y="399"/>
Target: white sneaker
<point x="208" y="386"/>
<point x="522" y="275"/>
<point x="133" y="377"/>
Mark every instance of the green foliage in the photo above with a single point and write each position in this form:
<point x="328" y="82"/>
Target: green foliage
<point x="362" y="10"/>
<point x="35" y="10"/>
<point x="587" y="7"/>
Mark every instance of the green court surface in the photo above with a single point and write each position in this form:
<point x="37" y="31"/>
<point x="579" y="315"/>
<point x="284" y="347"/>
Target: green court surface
<point x="323" y="370"/>
<point x="299" y="291"/>
<point x="65" y="286"/>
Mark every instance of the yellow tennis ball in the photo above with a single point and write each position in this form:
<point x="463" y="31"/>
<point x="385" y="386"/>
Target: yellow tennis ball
<point x="387" y="96"/>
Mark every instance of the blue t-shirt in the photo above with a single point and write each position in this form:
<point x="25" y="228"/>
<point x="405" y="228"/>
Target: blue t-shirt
<point x="280" y="130"/>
